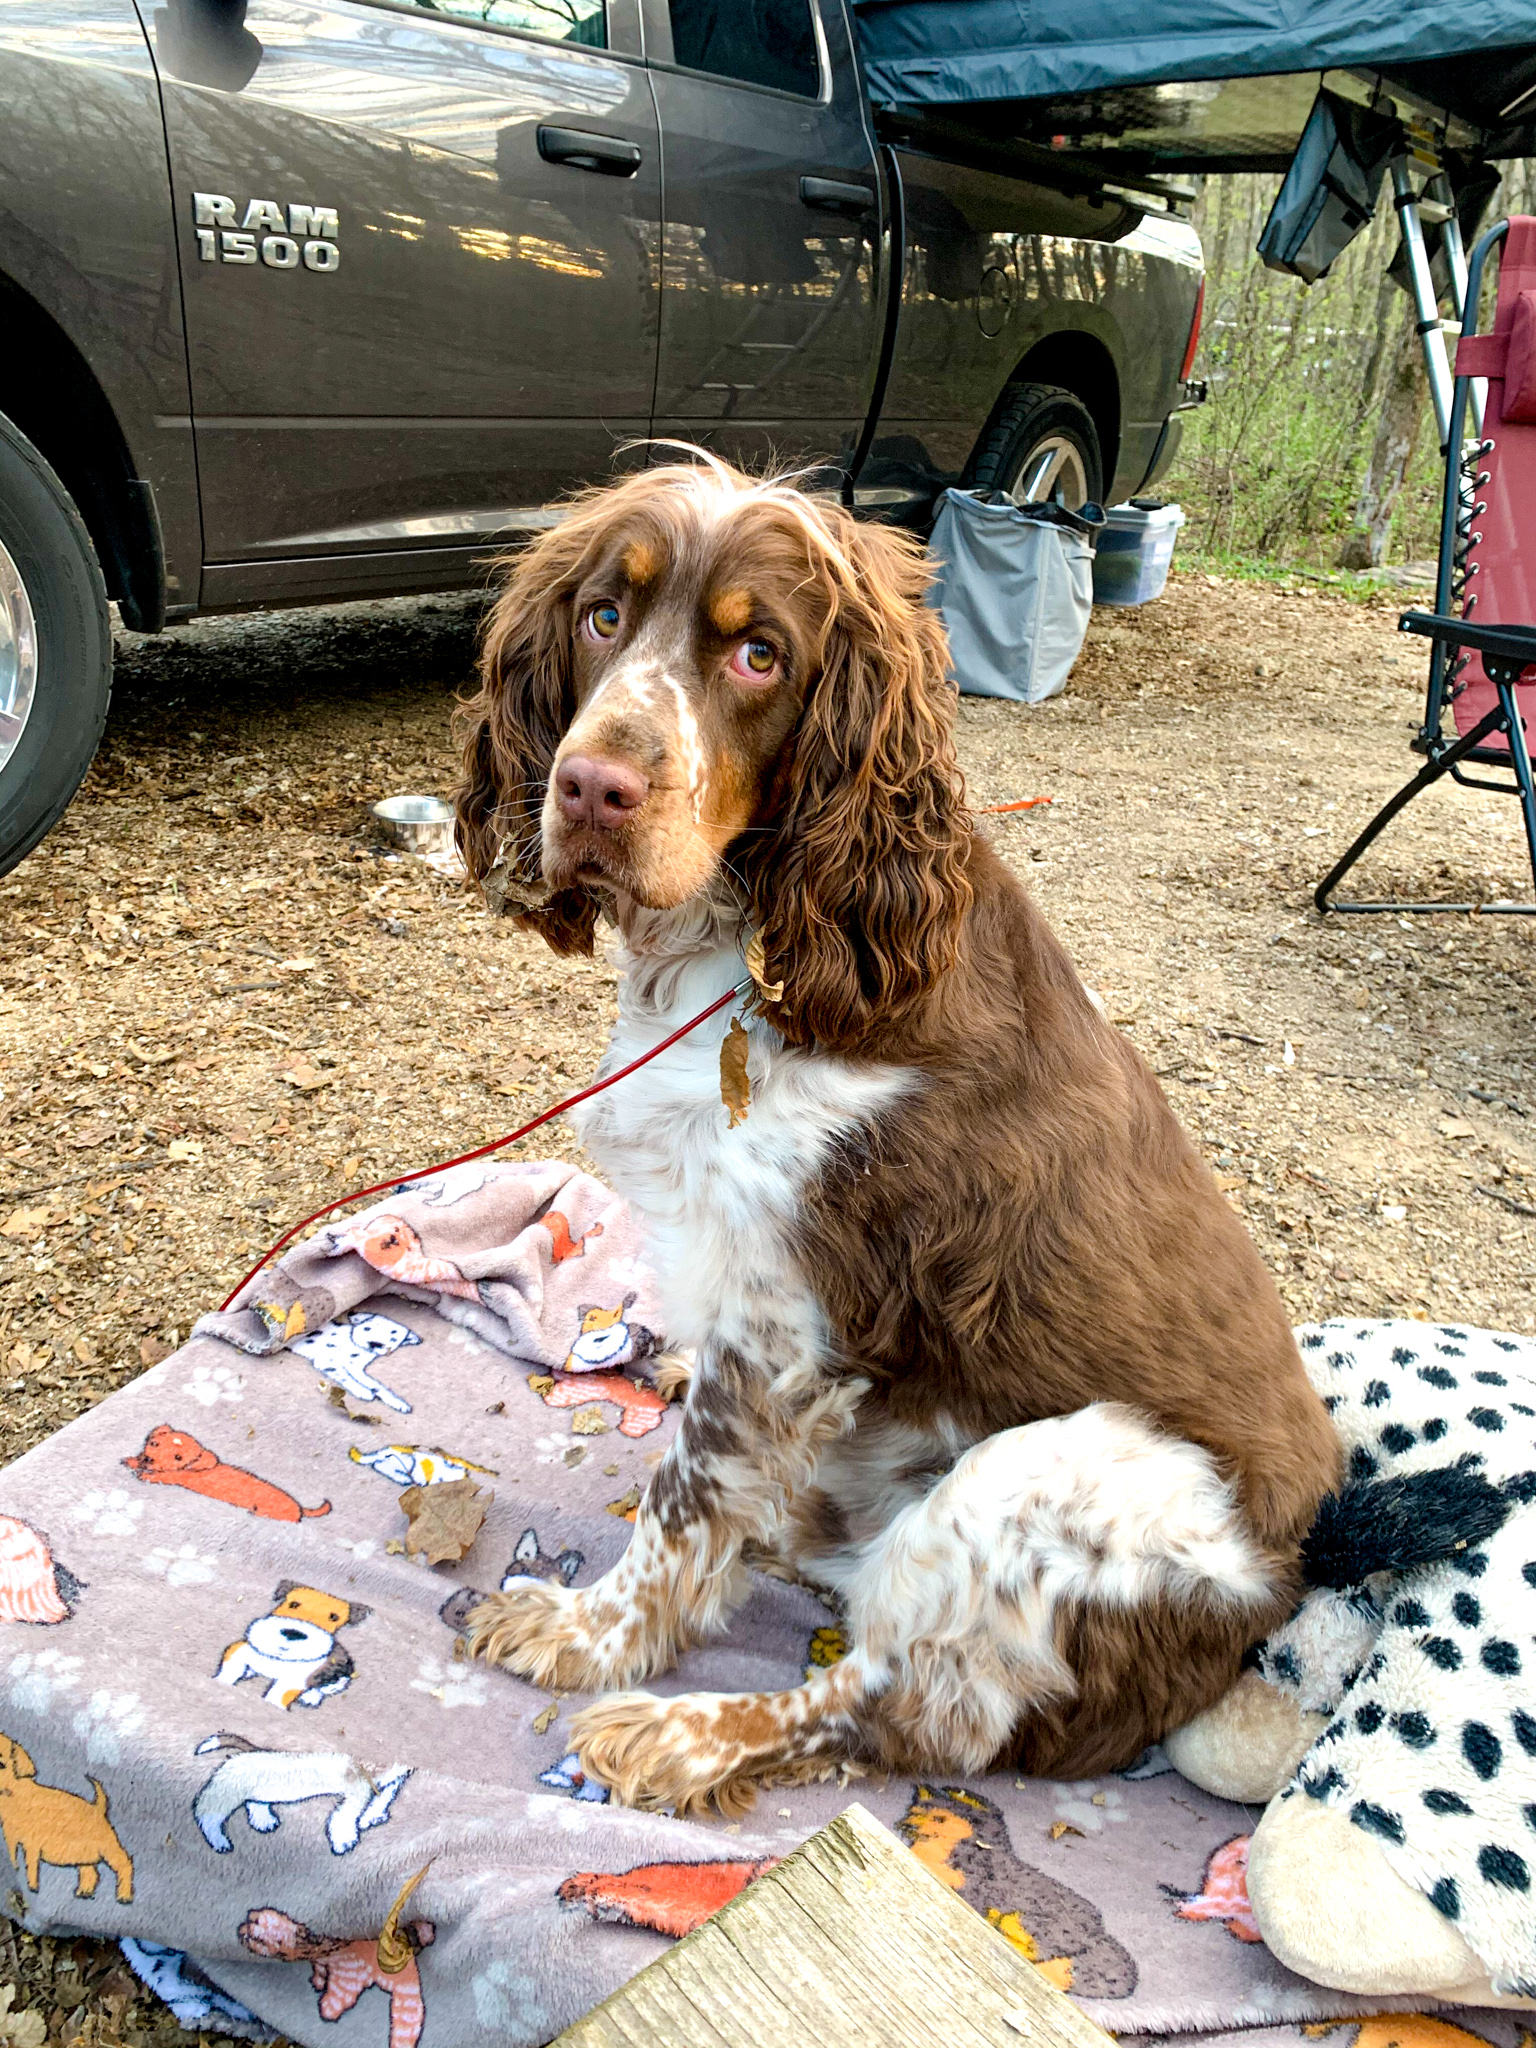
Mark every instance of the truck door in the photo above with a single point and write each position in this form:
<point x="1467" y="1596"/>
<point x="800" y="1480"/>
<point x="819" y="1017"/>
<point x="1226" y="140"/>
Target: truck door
<point x="772" y="217"/>
<point x="420" y="253"/>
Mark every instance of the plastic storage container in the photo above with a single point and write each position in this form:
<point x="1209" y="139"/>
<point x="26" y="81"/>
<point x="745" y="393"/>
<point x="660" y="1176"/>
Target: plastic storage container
<point x="1135" y="549"/>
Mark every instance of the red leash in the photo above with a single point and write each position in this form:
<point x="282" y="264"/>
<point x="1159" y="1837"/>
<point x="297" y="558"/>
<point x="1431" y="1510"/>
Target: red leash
<point x="422" y="1173"/>
<point x="402" y="1179"/>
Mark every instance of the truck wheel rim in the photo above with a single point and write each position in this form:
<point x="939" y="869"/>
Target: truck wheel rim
<point x="1053" y="468"/>
<point x="18" y="657"/>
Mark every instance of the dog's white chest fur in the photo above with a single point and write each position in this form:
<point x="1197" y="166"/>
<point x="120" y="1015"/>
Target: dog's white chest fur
<point x="719" y="1203"/>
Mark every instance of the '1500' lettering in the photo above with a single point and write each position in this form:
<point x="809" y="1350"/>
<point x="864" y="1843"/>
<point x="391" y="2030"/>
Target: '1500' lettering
<point x="266" y="234"/>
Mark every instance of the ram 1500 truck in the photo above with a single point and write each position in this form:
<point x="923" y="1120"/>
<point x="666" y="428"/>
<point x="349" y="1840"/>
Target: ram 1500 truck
<point x="303" y="300"/>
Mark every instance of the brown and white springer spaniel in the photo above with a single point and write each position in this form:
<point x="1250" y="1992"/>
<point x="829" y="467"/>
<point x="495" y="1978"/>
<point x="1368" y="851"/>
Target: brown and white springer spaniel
<point x="980" y="1346"/>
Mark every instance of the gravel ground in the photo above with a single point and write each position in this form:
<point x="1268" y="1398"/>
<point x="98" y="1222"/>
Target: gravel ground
<point x="221" y="1004"/>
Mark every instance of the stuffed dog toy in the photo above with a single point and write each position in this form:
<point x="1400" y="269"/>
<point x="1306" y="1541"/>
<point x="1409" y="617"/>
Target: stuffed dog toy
<point x="1390" y="1724"/>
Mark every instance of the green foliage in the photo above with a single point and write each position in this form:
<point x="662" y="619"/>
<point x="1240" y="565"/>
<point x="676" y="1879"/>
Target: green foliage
<point x="1272" y="466"/>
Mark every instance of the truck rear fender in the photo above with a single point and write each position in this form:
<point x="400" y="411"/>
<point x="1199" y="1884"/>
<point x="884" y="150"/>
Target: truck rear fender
<point x="48" y="391"/>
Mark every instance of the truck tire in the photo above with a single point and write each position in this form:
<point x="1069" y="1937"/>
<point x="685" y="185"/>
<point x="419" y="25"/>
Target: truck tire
<point x="1041" y="443"/>
<point x="55" y="648"/>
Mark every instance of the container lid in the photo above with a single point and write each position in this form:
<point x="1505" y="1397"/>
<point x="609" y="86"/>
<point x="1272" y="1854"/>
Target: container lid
<point x="1140" y="514"/>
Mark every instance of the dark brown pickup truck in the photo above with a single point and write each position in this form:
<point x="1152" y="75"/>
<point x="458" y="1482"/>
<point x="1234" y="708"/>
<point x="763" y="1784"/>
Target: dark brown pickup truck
<point x="306" y="301"/>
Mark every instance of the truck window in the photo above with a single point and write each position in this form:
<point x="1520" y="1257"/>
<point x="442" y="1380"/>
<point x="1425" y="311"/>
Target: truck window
<point x="761" y="42"/>
<point x="562" y="21"/>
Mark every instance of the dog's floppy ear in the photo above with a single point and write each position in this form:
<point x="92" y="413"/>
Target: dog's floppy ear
<point x="514" y="724"/>
<point x="284" y="1588"/>
<point x="356" y="1611"/>
<point x="861" y="887"/>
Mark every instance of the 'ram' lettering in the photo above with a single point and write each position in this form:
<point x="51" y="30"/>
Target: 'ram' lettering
<point x="213" y="210"/>
<point x="313" y="220"/>
<point x="263" y="214"/>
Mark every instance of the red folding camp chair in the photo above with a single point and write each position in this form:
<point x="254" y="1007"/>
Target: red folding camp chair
<point x="1483" y="628"/>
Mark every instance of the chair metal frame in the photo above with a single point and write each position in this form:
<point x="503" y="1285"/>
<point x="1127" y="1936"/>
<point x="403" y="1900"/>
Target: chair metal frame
<point x="1506" y="650"/>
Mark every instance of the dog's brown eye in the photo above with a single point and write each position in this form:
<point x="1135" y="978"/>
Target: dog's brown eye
<point x="603" y="621"/>
<point x="755" y="658"/>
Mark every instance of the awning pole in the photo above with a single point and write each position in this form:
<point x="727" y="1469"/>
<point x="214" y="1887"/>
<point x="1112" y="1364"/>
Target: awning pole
<point x="1406" y="200"/>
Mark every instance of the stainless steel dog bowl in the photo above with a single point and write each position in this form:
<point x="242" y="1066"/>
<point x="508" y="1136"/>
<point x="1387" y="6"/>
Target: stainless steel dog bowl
<point x="419" y="824"/>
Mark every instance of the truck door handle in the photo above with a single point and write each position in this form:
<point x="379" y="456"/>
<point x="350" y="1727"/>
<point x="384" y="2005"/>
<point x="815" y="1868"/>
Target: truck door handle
<point x="584" y="151"/>
<point x="831" y="195"/>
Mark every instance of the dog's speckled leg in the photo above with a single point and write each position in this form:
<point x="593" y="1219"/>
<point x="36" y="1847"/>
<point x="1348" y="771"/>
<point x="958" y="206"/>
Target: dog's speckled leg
<point x="745" y="1445"/>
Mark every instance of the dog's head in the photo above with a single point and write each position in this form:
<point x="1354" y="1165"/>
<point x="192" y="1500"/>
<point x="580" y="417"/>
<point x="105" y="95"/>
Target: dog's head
<point x="14" y="1760"/>
<point x="319" y="1610"/>
<point x="169" y="1450"/>
<point x="595" y="1318"/>
<point x="705" y="685"/>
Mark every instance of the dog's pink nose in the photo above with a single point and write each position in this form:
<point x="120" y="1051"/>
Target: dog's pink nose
<point x="595" y="791"/>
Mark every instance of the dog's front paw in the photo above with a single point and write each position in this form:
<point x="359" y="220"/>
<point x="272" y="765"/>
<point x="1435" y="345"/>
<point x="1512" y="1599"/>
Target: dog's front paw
<point x="655" y="1753"/>
<point x="555" y="1637"/>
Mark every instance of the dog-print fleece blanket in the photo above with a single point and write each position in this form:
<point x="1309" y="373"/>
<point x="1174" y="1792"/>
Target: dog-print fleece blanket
<point x="234" y="1733"/>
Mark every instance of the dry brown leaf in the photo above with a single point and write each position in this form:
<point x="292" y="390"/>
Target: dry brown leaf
<point x="306" y="1078"/>
<point x="1455" y="1127"/>
<point x="735" y="1088"/>
<point x="394" y="1547"/>
<point x="288" y="1322"/>
<point x="1058" y="1828"/>
<point x="87" y="1136"/>
<point x="544" y="1720"/>
<point x="1227" y="1182"/>
<point x="587" y="1422"/>
<point x="541" y="1382"/>
<point x="625" y="1506"/>
<point x="152" y="1350"/>
<point x="27" y="2029"/>
<point x="757" y="967"/>
<point x="152" y="1056"/>
<point x="443" y="1520"/>
<point x="506" y="895"/>
<point x="181" y="1151"/>
<point x="29" y="1222"/>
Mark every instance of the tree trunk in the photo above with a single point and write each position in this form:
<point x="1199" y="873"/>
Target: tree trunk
<point x="1397" y="434"/>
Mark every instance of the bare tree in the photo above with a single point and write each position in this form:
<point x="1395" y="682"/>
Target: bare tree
<point x="1403" y="403"/>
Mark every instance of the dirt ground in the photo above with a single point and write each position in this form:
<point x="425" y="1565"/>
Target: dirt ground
<point x="221" y="1003"/>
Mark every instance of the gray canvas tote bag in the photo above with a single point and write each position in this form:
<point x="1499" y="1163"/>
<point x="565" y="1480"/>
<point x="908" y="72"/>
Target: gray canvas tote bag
<point x="1015" y="586"/>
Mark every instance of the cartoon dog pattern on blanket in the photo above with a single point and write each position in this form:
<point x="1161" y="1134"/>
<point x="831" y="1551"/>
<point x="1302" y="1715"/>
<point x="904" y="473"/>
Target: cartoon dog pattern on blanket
<point x="32" y="1586"/>
<point x="294" y="1650"/>
<point x="343" y="1351"/>
<point x="174" y="1457"/>
<point x="46" y="1824"/>
<point x="342" y="1970"/>
<point x="260" y="1780"/>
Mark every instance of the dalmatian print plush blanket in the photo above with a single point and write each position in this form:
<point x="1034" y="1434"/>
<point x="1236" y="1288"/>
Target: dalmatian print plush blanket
<point x="234" y="1734"/>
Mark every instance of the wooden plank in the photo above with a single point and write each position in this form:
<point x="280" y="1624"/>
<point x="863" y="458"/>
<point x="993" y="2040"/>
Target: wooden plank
<point x="849" y="1940"/>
